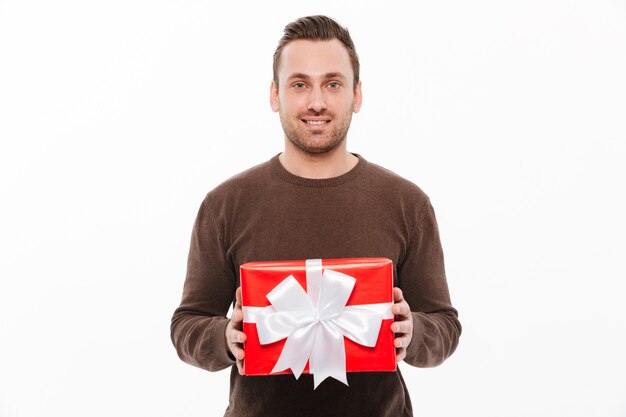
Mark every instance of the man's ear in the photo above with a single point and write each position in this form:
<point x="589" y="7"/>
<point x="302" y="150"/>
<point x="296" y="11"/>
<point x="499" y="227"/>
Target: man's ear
<point x="358" y="98"/>
<point x="274" y="97"/>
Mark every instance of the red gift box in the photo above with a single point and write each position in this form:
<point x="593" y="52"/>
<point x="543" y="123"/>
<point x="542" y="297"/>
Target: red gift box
<point x="359" y="287"/>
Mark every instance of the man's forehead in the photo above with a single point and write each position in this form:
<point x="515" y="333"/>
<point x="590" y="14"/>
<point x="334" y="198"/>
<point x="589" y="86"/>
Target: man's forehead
<point x="315" y="59"/>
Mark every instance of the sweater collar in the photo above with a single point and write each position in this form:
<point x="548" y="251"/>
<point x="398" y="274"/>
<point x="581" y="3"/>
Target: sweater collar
<point x="283" y="174"/>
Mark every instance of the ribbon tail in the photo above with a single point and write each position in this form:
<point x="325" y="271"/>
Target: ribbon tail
<point x="328" y="358"/>
<point x="296" y="351"/>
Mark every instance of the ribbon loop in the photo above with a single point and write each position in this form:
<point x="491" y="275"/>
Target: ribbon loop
<point x="334" y="293"/>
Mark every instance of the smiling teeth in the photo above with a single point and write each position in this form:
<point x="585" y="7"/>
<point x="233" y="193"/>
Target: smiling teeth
<point x="316" y="122"/>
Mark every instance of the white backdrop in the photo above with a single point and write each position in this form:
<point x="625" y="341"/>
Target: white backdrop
<point x="116" y="117"/>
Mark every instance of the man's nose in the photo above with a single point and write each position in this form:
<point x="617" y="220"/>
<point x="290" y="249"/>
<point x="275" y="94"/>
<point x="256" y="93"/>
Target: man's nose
<point x="317" y="103"/>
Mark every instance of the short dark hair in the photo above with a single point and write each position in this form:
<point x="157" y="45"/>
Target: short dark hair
<point x="317" y="28"/>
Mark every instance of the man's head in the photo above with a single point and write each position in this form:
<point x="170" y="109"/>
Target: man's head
<point x="317" y="28"/>
<point x="315" y="87"/>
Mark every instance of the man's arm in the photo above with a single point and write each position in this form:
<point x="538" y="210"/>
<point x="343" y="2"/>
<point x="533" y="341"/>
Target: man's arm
<point x="435" y="325"/>
<point x="199" y="324"/>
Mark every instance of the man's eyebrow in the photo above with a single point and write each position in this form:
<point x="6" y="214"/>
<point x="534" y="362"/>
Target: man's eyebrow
<point x="335" y="75"/>
<point x="302" y="76"/>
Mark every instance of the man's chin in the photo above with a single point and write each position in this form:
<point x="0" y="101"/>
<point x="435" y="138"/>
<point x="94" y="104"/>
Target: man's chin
<point x="316" y="149"/>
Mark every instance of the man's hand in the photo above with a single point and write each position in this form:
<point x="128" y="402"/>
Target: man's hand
<point x="234" y="334"/>
<point x="403" y="324"/>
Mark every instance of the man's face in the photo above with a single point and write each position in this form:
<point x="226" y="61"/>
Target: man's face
<point x="315" y="96"/>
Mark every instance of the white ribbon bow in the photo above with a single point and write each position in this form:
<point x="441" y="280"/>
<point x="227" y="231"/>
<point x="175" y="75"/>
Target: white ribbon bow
<point x="316" y="322"/>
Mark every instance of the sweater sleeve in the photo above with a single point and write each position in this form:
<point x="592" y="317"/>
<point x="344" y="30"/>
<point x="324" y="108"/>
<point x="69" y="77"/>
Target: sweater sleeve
<point x="199" y="323"/>
<point x="422" y="278"/>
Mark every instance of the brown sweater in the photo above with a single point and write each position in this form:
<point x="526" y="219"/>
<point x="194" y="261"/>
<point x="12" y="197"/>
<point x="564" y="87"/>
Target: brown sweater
<point x="266" y="213"/>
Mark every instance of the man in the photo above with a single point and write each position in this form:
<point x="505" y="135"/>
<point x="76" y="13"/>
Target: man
<point x="315" y="200"/>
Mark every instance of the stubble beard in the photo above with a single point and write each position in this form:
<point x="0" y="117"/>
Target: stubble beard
<point x="317" y="141"/>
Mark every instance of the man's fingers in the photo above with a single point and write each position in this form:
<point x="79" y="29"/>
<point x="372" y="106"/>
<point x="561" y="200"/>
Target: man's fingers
<point x="238" y="353"/>
<point x="234" y="337"/>
<point x="402" y="327"/>
<point x="238" y="298"/>
<point x="400" y="354"/>
<point x="401" y="342"/>
<point x="237" y="337"/>
<point x="401" y="309"/>
<point x="236" y="349"/>
<point x="237" y="315"/>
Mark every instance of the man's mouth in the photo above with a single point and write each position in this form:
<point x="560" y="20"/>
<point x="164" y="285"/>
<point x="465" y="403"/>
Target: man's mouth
<point x="317" y="121"/>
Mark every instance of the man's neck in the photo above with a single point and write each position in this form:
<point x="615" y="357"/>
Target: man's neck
<point x="329" y="164"/>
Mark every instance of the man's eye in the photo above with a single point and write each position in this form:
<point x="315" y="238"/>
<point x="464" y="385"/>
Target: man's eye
<point x="299" y="86"/>
<point x="334" y="85"/>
